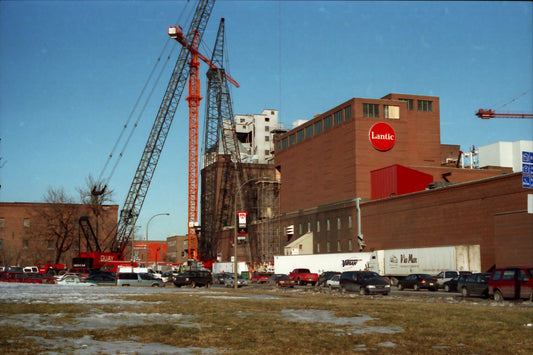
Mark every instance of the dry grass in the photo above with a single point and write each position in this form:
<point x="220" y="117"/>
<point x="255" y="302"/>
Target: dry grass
<point x="257" y="325"/>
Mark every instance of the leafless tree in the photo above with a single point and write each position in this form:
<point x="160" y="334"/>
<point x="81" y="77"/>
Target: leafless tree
<point x="95" y="195"/>
<point x="59" y="221"/>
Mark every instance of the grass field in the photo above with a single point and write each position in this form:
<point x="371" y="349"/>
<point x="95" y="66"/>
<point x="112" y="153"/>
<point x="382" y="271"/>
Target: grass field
<point x="263" y="321"/>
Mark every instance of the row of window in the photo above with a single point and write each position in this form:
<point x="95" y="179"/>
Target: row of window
<point x="26" y="223"/>
<point x="339" y="247"/>
<point x="26" y="242"/>
<point x="313" y="129"/>
<point x="328" y="225"/>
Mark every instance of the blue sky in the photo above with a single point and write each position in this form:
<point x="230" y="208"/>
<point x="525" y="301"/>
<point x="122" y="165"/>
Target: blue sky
<point x="71" y="72"/>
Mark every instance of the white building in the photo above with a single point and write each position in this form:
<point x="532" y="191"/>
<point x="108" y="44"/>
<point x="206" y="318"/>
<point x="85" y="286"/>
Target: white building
<point x="504" y="154"/>
<point x="255" y="133"/>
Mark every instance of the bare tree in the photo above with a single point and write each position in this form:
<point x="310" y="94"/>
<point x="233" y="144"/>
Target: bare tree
<point x="60" y="220"/>
<point x="95" y="195"/>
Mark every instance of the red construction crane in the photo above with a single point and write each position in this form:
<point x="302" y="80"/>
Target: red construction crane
<point x="486" y="114"/>
<point x="175" y="32"/>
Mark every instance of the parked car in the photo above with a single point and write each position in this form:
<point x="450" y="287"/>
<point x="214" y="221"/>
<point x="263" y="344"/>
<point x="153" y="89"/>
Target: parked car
<point x="474" y="285"/>
<point x="230" y="281"/>
<point x="81" y="272"/>
<point x="445" y="276"/>
<point x="260" y="277"/>
<point x="451" y="285"/>
<point x="364" y="282"/>
<point x="73" y="280"/>
<point x="137" y="279"/>
<point x="333" y="282"/>
<point x="418" y="282"/>
<point x="219" y="278"/>
<point x="101" y="279"/>
<point x="281" y="280"/>
<point x="511" y="282"/>
<point x="193" y="278"/>
<point x="325" y="276"/>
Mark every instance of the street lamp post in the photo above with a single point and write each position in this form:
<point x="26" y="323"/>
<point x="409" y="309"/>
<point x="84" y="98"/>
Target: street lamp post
<point x="147" y="225"/>
<point x="236" y="282"/>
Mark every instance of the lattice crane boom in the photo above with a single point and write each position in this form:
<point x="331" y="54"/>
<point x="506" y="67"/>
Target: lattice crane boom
<point x="486" y="114"/>
<point x="154" y="145"/>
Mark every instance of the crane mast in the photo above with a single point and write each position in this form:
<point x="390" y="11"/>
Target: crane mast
<point x="156" y="140"/>
<point x="194" y="99"/>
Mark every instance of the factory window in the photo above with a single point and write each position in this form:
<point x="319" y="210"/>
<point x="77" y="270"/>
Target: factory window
<point x="26" y="223"/>
<point x="425" y="105"/>
<point x="308" y="227"/>
<point x="50" y="245"/>
<point x="347" y="113"/>
<point x="371" y="110"/>
<point x="300" y="228"/>
<point x="267" y="152"/>
<point x="2" y="223"/>
<point x="338" y="223"/>
<point x="300" y="135"/>
<point x="318" y="226"/>
<point x="25" y="243"/>
<point x="318" y="127"/>
<point x="284" y="143"/>
<point x="242" y="120"/>
<point x="1" y="244"/>
<point x="292" y="140"/>
<point x="328" y="246"/>
<point x="339" y="245"/>
<point x="391" y="112"/>
<point x="278" y="146"/>
<point x="267" y="138"/>
<point x="309" y="131"/>
<point x="410" y="105"/>
<point x="267" y="119"/>
<point x="327" y="225"/>
<point x="318" y="247"/>
<point x="267" y="129"/>
<point x="327" y="123"/>
<point x="337" y="117"/>
<point x="350" y="223"/>
<point x="350" y="245"/>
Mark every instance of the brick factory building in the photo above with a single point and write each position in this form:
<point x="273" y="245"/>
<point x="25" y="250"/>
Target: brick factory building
<point x="377" y="147"/>
<point x="28" y="231"/>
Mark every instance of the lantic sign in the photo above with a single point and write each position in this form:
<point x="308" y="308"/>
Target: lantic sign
<point x="382" y="136"/>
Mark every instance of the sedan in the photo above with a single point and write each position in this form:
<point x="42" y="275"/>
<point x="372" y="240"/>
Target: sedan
<point x="281" y="280"/>
<point x="475" y="285"/>
<point x="230" y="281"/>
<point x="418" y="282"/>
<point x="333" y="282"/>
<point x="451" y="285"/>
<point x="72" y="280"/>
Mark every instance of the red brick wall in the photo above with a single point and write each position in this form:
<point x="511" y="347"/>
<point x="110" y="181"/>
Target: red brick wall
<point x="461" y="214"/>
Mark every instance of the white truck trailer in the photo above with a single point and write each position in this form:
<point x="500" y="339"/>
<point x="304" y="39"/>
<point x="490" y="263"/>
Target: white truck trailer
<point x="398" y="263"/>
<point x="319" y="263"/>
<point x="229" y="267"/>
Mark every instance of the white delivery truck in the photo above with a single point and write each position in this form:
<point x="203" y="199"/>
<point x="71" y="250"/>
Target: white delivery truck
<point x="319" y="263"/>
<point x="398" y="263"/>
<point x="229" y="267"/>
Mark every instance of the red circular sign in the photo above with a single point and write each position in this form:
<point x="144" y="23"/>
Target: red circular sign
<point x="382" y="136"/>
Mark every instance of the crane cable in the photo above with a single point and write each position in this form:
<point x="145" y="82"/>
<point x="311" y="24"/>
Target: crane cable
<point x="103" y="182"/>
<point x="513" y="100"/>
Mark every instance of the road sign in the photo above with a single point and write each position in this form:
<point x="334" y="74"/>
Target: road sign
<point x="527" y="170"/>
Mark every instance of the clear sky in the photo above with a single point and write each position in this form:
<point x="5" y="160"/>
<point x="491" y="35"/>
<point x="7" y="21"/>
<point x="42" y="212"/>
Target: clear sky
<point x="71" y="72"/>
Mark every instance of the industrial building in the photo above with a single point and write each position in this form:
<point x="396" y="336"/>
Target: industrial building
<point x="381" y="161"/>
<point x="29" y="232"/>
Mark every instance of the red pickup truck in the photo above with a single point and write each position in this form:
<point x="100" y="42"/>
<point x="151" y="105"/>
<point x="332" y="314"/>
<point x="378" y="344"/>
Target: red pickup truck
<point x="303" y="277"/>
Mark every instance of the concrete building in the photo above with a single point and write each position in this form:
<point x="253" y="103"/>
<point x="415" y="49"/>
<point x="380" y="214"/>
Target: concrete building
<point x="256" y="134"/>
<point x="505" y="154"/>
